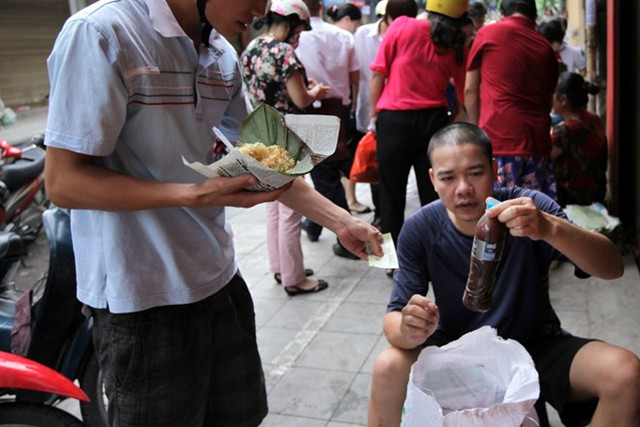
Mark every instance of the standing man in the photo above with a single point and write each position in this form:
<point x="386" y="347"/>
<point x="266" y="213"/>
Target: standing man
<point x="511" y="75"/>
<point x="135" y="86"/>
<point x="328" y="55"/>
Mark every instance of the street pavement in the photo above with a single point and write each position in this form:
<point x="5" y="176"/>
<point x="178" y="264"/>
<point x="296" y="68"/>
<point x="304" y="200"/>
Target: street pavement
<point x="318" y="349"/>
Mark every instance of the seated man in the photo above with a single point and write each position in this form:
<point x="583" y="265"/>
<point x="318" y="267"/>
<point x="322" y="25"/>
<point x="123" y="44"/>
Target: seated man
<point x="579" y="377"/>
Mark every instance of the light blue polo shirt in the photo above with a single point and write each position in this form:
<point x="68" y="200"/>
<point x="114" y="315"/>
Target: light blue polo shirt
<point x="129" y="87"/>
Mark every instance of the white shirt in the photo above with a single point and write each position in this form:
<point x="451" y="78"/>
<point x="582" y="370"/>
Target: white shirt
<point x="573" y="57"/>
<point x="139" y="104"/>
<point x="328" y="55"/>
<point x="366" y="41"/>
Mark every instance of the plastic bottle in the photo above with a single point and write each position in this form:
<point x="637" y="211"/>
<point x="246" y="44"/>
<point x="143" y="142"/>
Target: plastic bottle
<point x="488" y="242"/>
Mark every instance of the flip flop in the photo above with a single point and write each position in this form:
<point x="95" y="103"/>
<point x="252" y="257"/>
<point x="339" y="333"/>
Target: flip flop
<point x="278" y="277"/>
<point x="364" y="210"/>
<point x="294" y="290"/>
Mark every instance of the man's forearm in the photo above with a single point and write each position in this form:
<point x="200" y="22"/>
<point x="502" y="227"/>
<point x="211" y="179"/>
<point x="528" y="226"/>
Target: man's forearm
<point x="592" y="252"/>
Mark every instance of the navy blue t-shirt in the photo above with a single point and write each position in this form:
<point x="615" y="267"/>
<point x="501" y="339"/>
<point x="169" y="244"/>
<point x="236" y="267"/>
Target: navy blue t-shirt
<point x="431" y="249"/>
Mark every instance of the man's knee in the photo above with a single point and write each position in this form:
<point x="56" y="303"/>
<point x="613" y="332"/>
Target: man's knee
<point x="394" y="364"/>
<point x="624" y="373"/>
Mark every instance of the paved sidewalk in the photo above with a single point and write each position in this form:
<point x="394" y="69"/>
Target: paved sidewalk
<point x="318" y="350"/>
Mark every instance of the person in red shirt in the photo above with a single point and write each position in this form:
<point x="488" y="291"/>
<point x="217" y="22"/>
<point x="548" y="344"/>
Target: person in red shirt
<point x="412" y="68"/>
<point x="511" y="76"/>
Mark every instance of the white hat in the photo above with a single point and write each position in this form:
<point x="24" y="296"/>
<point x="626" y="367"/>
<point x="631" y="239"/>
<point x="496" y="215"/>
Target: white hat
<point x="381" y="7"/>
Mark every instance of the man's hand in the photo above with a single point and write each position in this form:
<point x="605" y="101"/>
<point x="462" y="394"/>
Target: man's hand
<point x="420" y="318"/>
<point x="522" y="217"/>
<point x="231" y="192"/>
<point x="355" y="233"/>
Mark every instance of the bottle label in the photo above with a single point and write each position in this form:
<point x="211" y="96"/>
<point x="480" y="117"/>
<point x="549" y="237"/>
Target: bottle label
<point x="484" y="251"/>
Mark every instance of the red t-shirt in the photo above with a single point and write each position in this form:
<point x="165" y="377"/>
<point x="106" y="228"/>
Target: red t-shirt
<point x="417" y="75"/>
<point x="518" y="74"/>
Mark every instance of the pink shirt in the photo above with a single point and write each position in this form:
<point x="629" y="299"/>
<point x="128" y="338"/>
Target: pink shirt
<point x="417" y="75"/>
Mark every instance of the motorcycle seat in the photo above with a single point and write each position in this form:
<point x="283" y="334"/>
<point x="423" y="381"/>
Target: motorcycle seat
<point x="16" y="175"/>
<point x="11" y="246"/>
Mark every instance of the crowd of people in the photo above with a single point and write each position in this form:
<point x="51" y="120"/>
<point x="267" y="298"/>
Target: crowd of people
<point x="464" y="104"/>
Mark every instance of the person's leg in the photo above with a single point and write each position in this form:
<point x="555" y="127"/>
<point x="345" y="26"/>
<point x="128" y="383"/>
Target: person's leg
<point x="152" y="375"/>
<point x="350" y="194"/>
<point x="375" y="199"/>
<point x="273" y="233"/>
<point x="509" y="171"/>
<point x="427" y="123"/>
<point x="612" y="374"/>
<point x="290" y="249"/>
<point x="394" y="137"/>
<point x="326" y="180"/>
<point x="538" y="174"/>
<point x="237" y="396"/>
<point x="389" y="386"/>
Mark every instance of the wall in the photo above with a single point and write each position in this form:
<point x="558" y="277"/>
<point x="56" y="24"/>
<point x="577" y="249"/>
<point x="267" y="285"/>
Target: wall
<point x="28" y="29"/>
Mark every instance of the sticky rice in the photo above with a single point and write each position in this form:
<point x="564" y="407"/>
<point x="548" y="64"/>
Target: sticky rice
<point x="272" y="156"/>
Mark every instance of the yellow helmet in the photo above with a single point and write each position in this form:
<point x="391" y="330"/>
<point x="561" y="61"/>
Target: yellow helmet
<point x="451" y="8"/>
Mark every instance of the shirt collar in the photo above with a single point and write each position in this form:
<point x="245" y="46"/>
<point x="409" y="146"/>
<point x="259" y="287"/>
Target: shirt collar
<point x="373" y="30"/>
<point x="165" y="22"/>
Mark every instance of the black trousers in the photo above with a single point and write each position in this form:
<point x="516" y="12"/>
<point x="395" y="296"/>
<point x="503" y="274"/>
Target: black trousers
<point x="402" y="140"/>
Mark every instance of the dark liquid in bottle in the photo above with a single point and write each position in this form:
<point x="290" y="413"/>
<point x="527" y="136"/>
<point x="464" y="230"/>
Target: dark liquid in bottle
<point x="485" y="259"/>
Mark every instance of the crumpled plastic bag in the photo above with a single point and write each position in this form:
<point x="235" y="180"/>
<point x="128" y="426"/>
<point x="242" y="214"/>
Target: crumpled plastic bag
<point x="594" y="217"/>
<point x="479" y="380"/>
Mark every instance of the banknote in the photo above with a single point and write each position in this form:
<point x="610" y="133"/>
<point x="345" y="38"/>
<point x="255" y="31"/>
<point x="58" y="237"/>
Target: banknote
<point x="389" y="259"/>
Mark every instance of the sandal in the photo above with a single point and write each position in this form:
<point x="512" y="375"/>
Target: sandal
<point x="278" y="277"/>
<point x="364" y="210"/>
<point x="389" y="272"/>
<point x="294" y="290"/>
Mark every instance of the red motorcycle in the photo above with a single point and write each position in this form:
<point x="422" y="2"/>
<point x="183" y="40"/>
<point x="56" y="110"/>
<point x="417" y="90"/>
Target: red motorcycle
<point x="20" y="373"/>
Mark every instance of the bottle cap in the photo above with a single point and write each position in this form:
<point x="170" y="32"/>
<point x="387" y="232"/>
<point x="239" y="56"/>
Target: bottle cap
<point x="491" y="203"/>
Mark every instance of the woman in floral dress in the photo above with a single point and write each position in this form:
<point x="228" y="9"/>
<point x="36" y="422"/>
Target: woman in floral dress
<point x="273" y="75"/>
<point x="579" y="145"/>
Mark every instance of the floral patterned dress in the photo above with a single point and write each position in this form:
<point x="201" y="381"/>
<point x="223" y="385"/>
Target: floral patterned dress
<point x="582" y="166"/>
<point x="267" y="64"/>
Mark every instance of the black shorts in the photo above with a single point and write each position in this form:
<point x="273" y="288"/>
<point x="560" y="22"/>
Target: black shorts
<point x="185" y="365"/>
<point x="552" y="355"/>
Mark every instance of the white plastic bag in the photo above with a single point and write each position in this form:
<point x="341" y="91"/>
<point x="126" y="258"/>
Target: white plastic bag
<point x="478" y="380"/>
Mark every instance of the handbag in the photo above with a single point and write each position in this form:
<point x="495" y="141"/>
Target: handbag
<point x="365" y="165"/>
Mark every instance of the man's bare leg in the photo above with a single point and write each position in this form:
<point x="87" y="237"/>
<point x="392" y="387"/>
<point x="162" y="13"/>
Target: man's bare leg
<point x="612" y="374"/>
<point x="389" y="386"/>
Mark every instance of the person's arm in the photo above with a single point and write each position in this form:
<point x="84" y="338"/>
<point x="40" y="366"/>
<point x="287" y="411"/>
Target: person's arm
<point x="409" y="328"/>
<point x="592" y="252"/>
<point x="472" y="95"/>
<point x="376" y="86"/>
<point x="302" y="96"/>
<point x="74" y="181"/>
<point x="354" y="82"/>
<point x="352" y="232"/>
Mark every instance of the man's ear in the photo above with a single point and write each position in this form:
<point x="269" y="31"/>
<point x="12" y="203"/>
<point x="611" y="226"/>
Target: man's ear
<point x="431" y="177"/>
